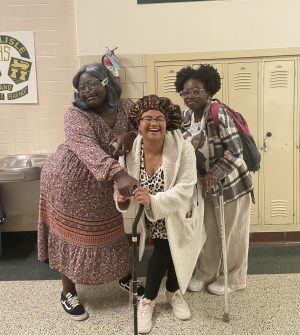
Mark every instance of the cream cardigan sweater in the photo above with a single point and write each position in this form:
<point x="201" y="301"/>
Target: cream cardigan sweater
<point x="186" y="236"/>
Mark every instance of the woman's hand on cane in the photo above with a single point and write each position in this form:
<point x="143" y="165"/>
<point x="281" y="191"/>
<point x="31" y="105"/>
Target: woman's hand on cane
<point x="142" y="196"/>
<point x="125" y="183"/>
<point x="123" y="143"/>
<point x="209" y="181"/>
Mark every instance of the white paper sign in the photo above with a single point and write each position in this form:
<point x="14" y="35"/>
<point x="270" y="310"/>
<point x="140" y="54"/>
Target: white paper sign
<point x="17" y="68"/>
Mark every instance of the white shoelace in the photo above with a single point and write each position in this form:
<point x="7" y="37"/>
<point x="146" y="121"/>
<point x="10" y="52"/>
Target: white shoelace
<point x="146" y="307"/>
<point x="73" y="301"/>
<point x="177" y="298"/>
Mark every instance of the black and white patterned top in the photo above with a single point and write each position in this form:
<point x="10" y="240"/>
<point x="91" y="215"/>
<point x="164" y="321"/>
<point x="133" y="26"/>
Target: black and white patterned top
<point x="155" y="184"/>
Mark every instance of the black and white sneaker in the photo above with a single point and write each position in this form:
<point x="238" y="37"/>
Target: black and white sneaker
<point x="73" y="307"/>
<point x="125" y="284"/>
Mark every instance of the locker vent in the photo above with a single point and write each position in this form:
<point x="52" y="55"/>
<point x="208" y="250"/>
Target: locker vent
<point x="242" y="81"/>
<point x="279" y="208"/>
<point x="169" y="81"/>
<point x="279" y="79"/>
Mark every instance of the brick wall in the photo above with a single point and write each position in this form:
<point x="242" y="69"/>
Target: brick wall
<point x="132" y="74"/>
<point x="38" y="128"/>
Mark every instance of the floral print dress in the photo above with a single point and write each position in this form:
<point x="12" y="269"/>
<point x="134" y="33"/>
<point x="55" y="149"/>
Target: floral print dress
<point x="80" y="231"/>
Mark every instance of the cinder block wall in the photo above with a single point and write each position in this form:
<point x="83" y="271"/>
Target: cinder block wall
<point x="132" y="74"/>
<point x="38" y="128"/>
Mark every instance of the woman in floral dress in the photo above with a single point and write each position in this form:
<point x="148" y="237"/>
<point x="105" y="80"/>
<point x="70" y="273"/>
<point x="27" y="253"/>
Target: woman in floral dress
<point x="80" y="232"/>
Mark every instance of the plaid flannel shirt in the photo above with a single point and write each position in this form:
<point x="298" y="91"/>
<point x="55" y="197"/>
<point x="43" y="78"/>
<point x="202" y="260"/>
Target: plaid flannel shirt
<point x="226" y="157"/>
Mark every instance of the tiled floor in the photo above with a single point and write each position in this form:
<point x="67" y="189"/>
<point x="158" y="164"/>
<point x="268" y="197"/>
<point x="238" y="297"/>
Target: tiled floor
<point x="270" y="305"/>
<point x="30" y="292"/>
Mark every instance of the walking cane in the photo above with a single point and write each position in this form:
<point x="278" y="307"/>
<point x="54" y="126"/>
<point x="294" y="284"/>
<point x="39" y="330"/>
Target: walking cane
<point x="134" y="256"/>
<point x="224" y="252"/>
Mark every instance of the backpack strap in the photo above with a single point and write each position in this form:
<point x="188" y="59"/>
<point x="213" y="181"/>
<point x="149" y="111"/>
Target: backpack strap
<point x="239" y="121"/>
<point x="214" y="107"/>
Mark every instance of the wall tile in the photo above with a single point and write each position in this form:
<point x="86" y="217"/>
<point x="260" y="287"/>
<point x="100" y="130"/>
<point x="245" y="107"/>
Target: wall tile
<point x="145" y="89"/>
<point x="133" y="90"/>
<point x="7" y="149"/>
<point x="130" y="60"/>
<point x="33" y="148"/>
<point x="6" y="137"/>
<point x="122" y="74"/>
<point x="22" y="148"/>
<point x="136" y="74"/>
<point x="6" y="125"/>
<point x="45" y="36"/>
<point x="39" y="127"/>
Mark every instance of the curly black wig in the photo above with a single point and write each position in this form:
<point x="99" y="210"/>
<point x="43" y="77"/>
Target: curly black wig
<point x="172" y="112"/>
<point x="206" y="74"/>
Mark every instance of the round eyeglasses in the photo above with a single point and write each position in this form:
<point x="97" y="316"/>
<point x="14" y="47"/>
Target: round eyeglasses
<point x="91" y="85"/>
<point x="150" y="119"/>
<point x="194" y="92"/>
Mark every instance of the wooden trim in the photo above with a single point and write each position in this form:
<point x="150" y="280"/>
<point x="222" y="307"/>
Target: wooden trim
<point x="261" y="238"/>
<point x="206" y="55"/>
<point x="275" y="237"/>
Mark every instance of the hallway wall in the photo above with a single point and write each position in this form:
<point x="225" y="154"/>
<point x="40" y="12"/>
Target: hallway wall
<point x="38" y="128"/>
<point x="186" y="27"/>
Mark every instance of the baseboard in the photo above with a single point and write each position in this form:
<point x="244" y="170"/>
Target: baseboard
<point x="291" y="237"/>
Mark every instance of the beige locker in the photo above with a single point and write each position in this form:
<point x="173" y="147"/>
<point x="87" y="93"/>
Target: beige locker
<point x="165" y="78"/>
<point x="264" y="86"/>
<point x="278" y="148"/>
<point x="297" y="161"/>
<point x="219" y="68"/>
<point x="243" y="95"/>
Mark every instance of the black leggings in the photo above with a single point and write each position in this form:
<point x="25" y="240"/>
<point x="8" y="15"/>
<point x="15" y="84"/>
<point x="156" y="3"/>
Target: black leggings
<point x="159" y="263"/>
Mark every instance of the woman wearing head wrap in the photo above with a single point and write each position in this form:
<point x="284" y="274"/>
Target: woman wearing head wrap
<point x="165" y="166"/>
<point x="80" y="232"/>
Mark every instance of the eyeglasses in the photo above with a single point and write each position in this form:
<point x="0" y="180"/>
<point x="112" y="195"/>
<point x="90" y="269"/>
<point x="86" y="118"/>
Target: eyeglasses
<point x="194" y="92"/>
<point x="90" y="86"/>
<point x="150" y="119"/>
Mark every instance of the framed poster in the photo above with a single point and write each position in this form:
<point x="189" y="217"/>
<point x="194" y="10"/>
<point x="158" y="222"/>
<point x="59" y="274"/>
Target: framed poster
<point x="17" y="68"/>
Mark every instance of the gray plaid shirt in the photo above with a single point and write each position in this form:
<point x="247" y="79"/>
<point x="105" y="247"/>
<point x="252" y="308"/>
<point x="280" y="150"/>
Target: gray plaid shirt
<point x="226" y="157"/>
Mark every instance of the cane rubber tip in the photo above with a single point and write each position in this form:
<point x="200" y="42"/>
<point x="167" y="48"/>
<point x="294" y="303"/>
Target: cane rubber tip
<point x="226" y="317"/>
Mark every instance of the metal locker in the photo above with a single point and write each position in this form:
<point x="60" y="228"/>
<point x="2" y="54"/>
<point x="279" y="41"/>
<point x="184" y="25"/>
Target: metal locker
<point x="243" y="95"/>
<point x="165" y="78"/>
<point x="278" y="142"/>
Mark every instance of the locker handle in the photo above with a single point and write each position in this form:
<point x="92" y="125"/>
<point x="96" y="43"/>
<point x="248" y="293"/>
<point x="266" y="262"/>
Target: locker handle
<point x="267" y="136"/>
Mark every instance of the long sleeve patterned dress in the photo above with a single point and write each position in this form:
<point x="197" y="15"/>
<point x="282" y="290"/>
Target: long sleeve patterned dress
<point x="80" y="231"/>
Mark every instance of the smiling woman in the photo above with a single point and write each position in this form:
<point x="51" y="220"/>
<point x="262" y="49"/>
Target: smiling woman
<point x="165" y="165"/>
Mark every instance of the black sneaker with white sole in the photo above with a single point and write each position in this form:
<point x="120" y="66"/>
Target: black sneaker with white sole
<point x="73" y="307"/>
<point x="125" y="283"/>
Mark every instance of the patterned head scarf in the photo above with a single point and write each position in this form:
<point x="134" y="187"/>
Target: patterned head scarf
<point x="164" y="105"/>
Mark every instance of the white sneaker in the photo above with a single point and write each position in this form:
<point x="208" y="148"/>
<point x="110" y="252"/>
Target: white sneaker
<point x="145" y="312"/>
<point x="219" y="289"/>
<point x="180" y="307"/>
<point x="195" y="285"/>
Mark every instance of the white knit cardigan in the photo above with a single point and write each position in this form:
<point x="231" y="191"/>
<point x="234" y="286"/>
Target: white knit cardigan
<point x="186" y="236"/>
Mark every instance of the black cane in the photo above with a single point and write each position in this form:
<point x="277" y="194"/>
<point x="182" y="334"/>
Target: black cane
<point x="134" y="256"/>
